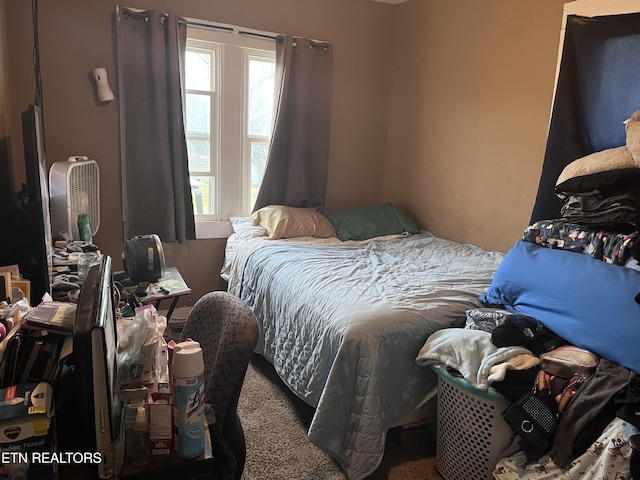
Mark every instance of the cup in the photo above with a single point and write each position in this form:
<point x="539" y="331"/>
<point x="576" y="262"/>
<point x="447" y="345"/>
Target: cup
<point x="85" y="261"/>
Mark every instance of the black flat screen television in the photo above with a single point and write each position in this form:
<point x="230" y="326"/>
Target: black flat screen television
<point x="38" y="266"/>
<point x="97" y="407"/>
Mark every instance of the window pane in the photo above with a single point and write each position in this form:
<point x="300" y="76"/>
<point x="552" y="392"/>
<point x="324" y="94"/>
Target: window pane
<point x="202" y="194"/>
<point x="199" y="154"/>
<point x="261" y="85"/>
<point x="217" y="138"/>
<point x="259" y="152"/>
<point x="198" y="70"/>
<point x="198" y="110"/>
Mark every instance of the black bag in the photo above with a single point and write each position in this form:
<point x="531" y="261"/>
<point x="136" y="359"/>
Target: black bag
<point x="534" y="416"/>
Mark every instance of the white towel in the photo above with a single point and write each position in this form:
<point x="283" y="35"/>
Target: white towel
<point x="472" y="353"/>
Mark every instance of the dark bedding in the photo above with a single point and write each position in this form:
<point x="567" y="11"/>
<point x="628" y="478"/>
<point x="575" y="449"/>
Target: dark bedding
<point x="611" y="247"/>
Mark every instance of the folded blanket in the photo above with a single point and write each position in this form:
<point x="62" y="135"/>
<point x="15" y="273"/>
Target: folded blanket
<point x="472" y="353"/>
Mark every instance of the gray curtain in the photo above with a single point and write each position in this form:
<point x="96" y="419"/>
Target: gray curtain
<point x="296" y="172"/>
<point x="156" y="191"/>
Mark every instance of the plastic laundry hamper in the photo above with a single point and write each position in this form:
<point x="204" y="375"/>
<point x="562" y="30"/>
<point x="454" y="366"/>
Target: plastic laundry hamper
<point x="471" y="433"/>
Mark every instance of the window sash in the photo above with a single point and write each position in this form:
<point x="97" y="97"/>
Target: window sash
<point x="230" y="191"/>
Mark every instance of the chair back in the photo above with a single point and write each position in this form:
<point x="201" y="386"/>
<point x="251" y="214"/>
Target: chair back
<point x="227" y="331"/>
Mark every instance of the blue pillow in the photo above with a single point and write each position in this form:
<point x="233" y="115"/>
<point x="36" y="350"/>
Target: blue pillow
<point x="588" y="302"/>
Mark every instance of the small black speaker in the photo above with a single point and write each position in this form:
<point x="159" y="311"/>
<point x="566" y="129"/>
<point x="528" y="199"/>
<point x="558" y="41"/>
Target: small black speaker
<point x="143" y="258"/>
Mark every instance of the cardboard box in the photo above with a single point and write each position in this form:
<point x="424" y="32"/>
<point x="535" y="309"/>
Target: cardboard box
<point x="161" y="419"/>
<point x="161" y="427"/>
<point x="27" y="440"/>
<point x="24" y="286"/>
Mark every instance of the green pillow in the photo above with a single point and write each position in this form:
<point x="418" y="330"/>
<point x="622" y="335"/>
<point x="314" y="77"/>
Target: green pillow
<point x="373" y="221"/>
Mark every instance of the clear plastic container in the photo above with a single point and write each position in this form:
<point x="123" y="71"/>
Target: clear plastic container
<point x="140" y="441"/>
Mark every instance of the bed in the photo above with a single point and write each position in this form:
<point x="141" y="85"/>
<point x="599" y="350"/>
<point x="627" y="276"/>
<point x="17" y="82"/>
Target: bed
<point x="343" y="320"/>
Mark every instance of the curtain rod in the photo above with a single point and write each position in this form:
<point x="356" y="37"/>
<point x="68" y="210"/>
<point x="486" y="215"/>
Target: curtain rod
<point x="312" y="43"/>
<point x="211" y="26"/>
<point x="259" y="35"/>
<point x="226" y="29"/>
<point x="230" y="29"/>
<point x="194" y="23"/>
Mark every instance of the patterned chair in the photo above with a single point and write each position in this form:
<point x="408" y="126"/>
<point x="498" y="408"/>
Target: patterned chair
<point x="227" y="331"/>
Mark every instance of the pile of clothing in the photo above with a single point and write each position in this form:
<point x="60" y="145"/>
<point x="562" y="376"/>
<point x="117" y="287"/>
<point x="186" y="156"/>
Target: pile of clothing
<point x="520" y="358"/>
<point x="601" y="204"/>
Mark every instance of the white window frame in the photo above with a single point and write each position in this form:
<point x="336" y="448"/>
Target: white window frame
<point x="214" y="133"/>
<point x="229" y="46"/>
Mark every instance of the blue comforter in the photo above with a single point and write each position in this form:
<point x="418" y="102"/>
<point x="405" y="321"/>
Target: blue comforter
<point x="343" y="324"/>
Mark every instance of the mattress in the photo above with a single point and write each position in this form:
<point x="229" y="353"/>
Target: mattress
<point x="343" y="323"/>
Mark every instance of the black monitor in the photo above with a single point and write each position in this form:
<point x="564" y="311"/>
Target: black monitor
<point x="98" y="406"/>
<point x="37" y="265"/>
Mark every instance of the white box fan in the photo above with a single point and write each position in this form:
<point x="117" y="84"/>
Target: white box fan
<point x="74" y="189"/>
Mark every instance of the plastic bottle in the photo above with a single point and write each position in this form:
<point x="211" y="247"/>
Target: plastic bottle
<point x="140" y="441"/>
<point x="84" y="228"/>
<point x="187" y="377"/>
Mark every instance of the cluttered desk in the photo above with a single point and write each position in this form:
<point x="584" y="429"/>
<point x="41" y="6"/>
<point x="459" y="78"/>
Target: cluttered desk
<point x="71" y="261"/>
<point x="171" y="286"/>
<point x="98" y="347"/>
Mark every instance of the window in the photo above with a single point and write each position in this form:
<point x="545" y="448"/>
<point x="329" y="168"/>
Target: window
<point x="229" y="107"/>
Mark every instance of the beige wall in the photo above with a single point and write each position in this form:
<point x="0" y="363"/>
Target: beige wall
<point x="77" y="36"/>
<point x="440" y="106"/>
<point x="470" y="104"/>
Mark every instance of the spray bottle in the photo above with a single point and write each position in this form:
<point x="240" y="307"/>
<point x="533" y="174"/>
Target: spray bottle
<point x="187" y="377"/>
<point x="141" y="443"/>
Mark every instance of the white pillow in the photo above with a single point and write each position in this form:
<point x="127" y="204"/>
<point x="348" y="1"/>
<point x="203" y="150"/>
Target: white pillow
<point x="245" y="229"/>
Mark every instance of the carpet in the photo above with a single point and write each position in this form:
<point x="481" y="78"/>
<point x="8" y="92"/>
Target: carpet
<point x="275" y="423"/>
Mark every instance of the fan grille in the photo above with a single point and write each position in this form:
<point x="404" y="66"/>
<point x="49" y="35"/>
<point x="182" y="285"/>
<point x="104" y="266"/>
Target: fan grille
<point x="74" y="189"/>
<point x="83" y="195"/>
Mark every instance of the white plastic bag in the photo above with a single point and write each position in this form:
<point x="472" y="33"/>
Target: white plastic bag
<point x="139" y="346"/>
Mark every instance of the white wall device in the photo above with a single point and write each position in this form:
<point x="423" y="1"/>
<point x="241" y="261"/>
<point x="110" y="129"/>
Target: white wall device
<point x="74" y="189"/>
<point x="105" y="94"/>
